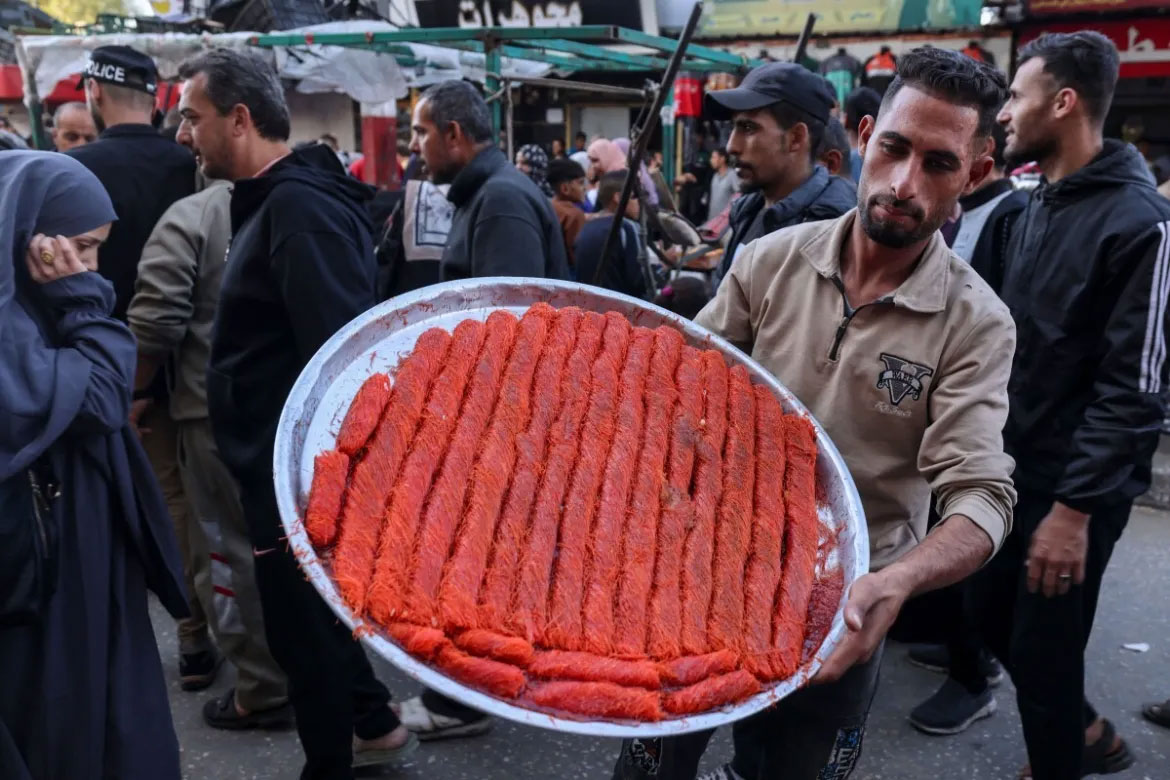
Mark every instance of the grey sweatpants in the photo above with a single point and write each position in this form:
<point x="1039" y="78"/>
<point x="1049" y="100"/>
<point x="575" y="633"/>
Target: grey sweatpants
<point x="814" y="734"/>
<point x="224" y="568"/>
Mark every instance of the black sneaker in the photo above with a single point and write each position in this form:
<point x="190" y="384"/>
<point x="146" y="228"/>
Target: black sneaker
<point x="221" y="713"/>
<point x="952" y="709"/>
<point x="936" y="658"/>
<point x="198" y="670"/>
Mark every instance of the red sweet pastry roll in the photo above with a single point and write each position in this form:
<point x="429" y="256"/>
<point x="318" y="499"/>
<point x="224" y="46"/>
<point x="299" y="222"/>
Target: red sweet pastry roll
<point x="569" y="665"/>
<point x="364" y="413"/>
<point x="492" y="676"/>
<point x="384" y="598"/>
<point x="463" y="573"/>
<point x="609" y="528"/>
<point x="711" y="693"/>
<point x="690" y="669"/>
<point x="445" y="503"/>
<point x="665" y="613"/>
<point x="638" y="547"/>
<point x="421" y="641"/>
<point x="530" y="608"/>
<point x="700" y="544"/>
<point x="598" y="699"/>
<point x="375" y="474"/>
<point x="763" y="568"/>
<point x="330" y="472"/>
<point x="733" y="533"/>
<point x="495" y="600"/>
<point x="800" y="543"/>
<point x="568" y="584"/>
<point x="499" y="647"/>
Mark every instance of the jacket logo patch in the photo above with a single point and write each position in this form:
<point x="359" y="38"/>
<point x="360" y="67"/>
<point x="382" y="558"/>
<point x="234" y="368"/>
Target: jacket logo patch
<point x="902" y="377"/>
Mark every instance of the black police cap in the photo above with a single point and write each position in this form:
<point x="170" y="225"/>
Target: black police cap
<point x="775" y="82"/>
<point x="123" y="66"/>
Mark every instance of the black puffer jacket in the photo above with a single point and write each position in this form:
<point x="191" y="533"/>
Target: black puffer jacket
<point x="1087" y="281"/>
<point x="822" y="196"/>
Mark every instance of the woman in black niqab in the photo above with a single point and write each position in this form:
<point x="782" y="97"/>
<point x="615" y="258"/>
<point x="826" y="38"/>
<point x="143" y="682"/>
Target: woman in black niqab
<point x="83" y="694"/>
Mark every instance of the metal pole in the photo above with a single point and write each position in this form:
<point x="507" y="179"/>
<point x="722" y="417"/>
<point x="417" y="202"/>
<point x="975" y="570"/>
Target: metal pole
<point x="508" y="119"/>
<point x="668" y="138"/>
<point x="638" y="147"/>
<point x="491" y="82"/>
<point x="802" y="41"/>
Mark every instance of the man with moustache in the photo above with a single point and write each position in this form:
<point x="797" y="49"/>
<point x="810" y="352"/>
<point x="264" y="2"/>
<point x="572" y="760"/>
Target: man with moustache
<point x="778" y="116"/>
<point x="902" y="353"/>
<point x="1086" y="283"/>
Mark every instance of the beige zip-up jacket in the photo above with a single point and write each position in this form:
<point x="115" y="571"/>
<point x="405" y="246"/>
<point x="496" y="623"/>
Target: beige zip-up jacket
<point x="912" y="389"/>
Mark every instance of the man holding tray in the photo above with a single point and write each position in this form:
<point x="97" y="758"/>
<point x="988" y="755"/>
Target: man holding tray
<point x="903" y="354"/>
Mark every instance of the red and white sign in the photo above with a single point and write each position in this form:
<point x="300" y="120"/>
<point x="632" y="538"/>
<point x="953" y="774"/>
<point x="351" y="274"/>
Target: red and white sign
<point x="1144" y="44"/>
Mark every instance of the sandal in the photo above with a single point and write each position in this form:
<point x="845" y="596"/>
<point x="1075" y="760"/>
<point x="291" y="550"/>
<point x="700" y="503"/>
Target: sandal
<point x="1158" y="714"/>
<point x="221" y="713"/>
<point x="379" y="756"/>
<point x="432" y="726"/>
<point x="1097" y="758"/>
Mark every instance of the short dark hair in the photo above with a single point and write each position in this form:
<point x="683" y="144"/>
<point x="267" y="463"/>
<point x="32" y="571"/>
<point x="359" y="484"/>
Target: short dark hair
<point x="610" y="186"/>
<point x="720" y="151"/>
<point x="788" y="115"/>
<point x="1084" y="61"/>
<point x="685" y="295"/>
<point x="461" y="102"/>
<point x="561" y="170"/>
<point x="955" y="78"/>
<point x="239" y="77"/>
<point x="835" y="138"/>
<point x="861" y="102"/>
<point x="581" y="135"/>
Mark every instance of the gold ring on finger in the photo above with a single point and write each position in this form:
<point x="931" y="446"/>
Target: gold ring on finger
<point x="46" y="257"/>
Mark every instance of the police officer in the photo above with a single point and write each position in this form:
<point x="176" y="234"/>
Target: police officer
<point x="143" y="172"/>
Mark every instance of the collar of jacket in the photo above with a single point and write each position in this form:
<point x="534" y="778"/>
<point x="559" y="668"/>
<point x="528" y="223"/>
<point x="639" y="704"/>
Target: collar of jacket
<point x="984" y="194"/>
<point x="481" y="168"/>
<point x="925" y="290"/>
<point x="129" y="130"/>
<point x="786" y="208"/>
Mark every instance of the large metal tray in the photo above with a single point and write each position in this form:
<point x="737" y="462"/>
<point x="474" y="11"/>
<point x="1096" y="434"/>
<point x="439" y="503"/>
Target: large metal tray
<point x="378" y="339"/>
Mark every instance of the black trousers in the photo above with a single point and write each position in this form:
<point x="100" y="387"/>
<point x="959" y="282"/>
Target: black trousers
<point x="331" y="684"/>
<point x="1041" y="641"/>
<point x="815" y="733"/>
<point x="943" y="617"/>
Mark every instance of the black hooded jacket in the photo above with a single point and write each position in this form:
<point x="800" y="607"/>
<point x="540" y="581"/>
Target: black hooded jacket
<point x="301" y="265"/>
<point x="1087" y="280"/>
<point x="503" y="224"/>
<point x="822" y="196"/>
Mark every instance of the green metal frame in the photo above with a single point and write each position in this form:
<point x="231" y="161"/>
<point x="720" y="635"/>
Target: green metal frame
<point x="542" y="44"/>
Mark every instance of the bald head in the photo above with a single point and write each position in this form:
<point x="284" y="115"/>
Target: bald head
<point x="72" y="126"/>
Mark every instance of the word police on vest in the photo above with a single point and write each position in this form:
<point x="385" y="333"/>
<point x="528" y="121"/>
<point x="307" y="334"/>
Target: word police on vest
<point x="123" y="66"/>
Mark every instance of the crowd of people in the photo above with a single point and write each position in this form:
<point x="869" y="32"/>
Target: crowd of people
<point x="990" y="364"/>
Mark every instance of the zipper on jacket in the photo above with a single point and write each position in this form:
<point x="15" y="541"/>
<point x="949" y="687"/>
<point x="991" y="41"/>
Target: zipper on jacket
<point x="850" y="313"/>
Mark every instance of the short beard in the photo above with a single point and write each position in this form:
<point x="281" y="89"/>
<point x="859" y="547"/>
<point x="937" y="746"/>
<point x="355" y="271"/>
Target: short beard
<point x="890" y="235"/>
<point x="1039" y="150"/>
<point x="97" y="120"/>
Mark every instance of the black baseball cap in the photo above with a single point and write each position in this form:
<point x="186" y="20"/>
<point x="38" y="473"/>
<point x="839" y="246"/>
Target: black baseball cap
<point x="123" y="66"/>
<point x="775" y="82"/>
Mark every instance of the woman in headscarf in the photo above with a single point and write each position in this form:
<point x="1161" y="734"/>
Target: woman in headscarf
<point x="533" y="162"/>
<point x="623" y="145"/>
<point x="84" y="531"/>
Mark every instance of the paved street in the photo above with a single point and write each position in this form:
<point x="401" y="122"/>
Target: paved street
<point x="1133" y="608"/>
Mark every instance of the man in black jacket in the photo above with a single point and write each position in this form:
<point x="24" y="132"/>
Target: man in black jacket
<point x="1086" y="282"/>
<point x="300" y="267"/>
<point x="503" y="224"/>
<point x="779" y="114"/>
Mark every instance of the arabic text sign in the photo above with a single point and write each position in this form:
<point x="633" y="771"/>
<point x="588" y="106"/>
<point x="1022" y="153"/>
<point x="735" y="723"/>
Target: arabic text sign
<point x="726" y="18"/>
<point x="1144" y="44"/>
<point x="1053" y="7"/>
<point x="529" y="13"/>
